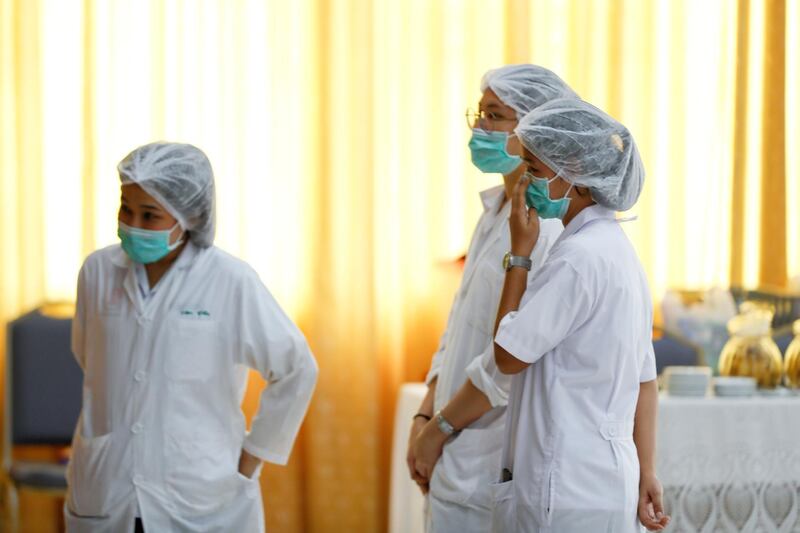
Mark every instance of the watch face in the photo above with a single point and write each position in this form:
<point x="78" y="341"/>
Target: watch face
<point x="506" y="259"/>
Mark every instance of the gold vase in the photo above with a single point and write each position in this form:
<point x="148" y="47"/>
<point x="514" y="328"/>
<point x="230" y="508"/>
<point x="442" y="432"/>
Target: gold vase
<point x="751" y="352"/>
<point x="792" y="359"/>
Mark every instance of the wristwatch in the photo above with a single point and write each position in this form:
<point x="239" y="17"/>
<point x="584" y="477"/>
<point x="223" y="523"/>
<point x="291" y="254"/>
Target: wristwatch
<point x="444" y="426"/>
<point x="516" y="261"/>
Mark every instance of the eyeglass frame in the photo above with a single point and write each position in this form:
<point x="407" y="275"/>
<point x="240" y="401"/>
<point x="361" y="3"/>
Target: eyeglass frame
<point x="479" y="119"/>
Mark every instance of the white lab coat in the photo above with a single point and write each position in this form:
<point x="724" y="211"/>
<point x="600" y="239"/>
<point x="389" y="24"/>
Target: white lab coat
<point x="585" y="325"/>
<point x="161" y="427"/>
<point x="459" y="495"/>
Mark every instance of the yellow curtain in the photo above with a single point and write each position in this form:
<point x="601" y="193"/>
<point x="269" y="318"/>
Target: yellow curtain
<point x="792" y="125"/>
<point x="337" y="135"/>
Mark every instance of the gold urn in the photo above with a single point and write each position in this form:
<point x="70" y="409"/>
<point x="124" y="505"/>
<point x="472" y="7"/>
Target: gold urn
<point x="751" y="352"/>
<point x="792" y="359"/>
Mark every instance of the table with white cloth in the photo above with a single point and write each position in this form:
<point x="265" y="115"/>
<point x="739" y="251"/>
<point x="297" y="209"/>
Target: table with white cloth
<point x="727" y="464"/>
<point x="406" y="502"/>
<point x="730" y="464"/>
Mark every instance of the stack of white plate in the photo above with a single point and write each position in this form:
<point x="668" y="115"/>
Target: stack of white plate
<point x="687" y="380"/>
<point x="777" y="392"/>
<point x="734" y="386"/>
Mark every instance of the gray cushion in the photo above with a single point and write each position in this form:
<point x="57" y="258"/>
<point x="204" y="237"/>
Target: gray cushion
<point x="39" y="475"/>
<point x="670" y="351"/>
<point x="46" y="381"/>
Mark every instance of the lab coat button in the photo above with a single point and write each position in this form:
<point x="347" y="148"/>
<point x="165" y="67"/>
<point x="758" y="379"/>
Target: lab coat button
<point x="612" y="431"/>
<point x="138" y="479"/>
<point x="137" y="428"/>
<point x="140" y="375"/>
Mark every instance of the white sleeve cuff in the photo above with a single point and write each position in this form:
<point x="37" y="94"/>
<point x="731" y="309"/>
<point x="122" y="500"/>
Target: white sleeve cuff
<point x="483" y="373"/>
<point x="436" y="365"/>
<point x="263" y="453"/>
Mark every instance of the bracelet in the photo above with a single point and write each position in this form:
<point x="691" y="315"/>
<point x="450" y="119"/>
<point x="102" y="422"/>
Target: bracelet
<point x="426" y="417"/>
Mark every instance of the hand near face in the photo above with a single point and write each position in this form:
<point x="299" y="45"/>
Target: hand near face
<point x="523" y="222"/>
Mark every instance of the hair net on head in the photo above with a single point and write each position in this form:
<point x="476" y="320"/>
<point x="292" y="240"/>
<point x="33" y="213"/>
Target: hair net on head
<point x="525" y="87"/>
<point x="180" y="178"/>
<point x="586" y="147"/>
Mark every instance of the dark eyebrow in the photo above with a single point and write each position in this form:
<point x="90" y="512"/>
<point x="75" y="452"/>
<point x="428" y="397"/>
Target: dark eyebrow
<point x="151" y="207"/>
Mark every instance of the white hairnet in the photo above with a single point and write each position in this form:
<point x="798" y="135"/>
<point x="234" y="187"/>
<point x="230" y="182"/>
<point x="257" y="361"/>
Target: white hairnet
<point x="180" y="178"/>
<point x="525" y="87"/>
<point x="586" y="147"/>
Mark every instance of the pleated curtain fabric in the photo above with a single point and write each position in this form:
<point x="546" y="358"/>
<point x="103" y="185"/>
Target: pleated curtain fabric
<point x="337" y="135"/>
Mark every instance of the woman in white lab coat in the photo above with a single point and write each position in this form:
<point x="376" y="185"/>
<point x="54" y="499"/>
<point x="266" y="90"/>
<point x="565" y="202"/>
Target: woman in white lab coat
<point x="463" y="391"/>
<point x="166" y="326"/>
<point x="578" y="338"/>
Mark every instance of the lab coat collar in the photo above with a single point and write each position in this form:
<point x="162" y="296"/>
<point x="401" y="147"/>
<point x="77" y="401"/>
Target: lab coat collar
<point x="492" y="197"/>
<point x="588" y="215"/>
<point x="120" y="258"/>
<point x="187" y="256"/>
<point x="131" y="282"/>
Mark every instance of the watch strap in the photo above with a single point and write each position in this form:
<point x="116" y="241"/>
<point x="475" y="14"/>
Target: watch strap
<point x="519" y="261"/>
<point x="444" y="426"/>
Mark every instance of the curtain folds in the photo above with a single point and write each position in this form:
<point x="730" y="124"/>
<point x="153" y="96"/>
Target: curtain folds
<point x="336" y="130"/>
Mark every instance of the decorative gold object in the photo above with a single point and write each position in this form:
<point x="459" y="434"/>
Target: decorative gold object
<point x="751" y="351"/>
<point x="58" y="309"/>
<point x="792" y="359"/>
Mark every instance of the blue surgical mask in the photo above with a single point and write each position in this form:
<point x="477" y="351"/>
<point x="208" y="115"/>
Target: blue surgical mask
<point x="489" y="153"/>
<point x="146" y="246"/>
<point x="538" y="197"/>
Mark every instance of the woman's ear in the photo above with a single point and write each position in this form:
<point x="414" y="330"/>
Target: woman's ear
<point x="583" y="191"/>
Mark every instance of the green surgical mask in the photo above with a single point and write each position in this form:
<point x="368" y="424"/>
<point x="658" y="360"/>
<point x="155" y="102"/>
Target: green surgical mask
<point x="488" y="149"/>
<point x="146" y="246"/>
<point x="537" y="196"/>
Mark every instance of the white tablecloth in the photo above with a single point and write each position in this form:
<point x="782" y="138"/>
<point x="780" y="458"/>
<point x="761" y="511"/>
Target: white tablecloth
<point x="406" y="502"/>
<point x="726" y="464"/>
<point x="730" y="464"/>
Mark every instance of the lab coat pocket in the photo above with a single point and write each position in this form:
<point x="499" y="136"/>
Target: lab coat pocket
<point x="549" y="497"/>
<point x="503" y="515"/>
<point x="85" y="524"/>
<point x="201" y="474"/>
<point x="195" y="353"/>
<point x="88" y="474"/>
<point x="244" y="478"/>
<point x="251" y="484"/>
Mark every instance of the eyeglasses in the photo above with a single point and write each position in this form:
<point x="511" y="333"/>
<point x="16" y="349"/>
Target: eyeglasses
<point x="484" y="120"/>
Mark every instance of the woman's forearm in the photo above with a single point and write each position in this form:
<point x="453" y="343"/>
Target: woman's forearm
<point x="248" y="463"/>
<point x="644" y="426"/>
<point x="426" y="407"/>
<point x="514" y="287"/>
<point x="466" y="406"/>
